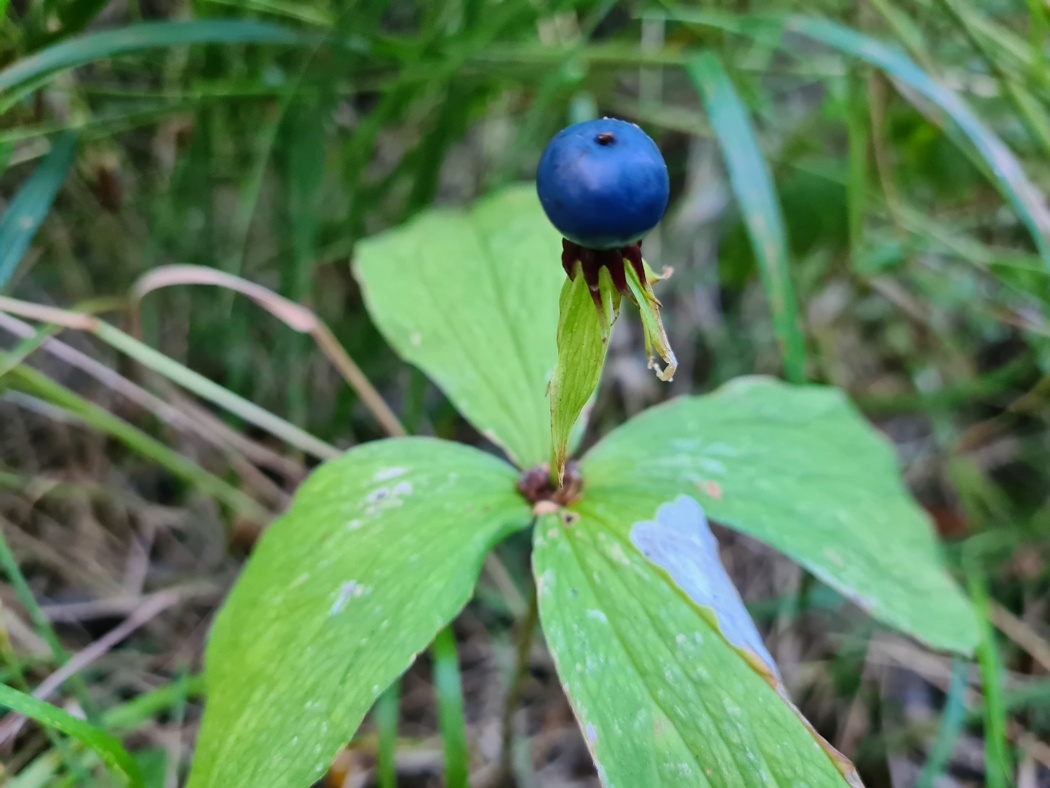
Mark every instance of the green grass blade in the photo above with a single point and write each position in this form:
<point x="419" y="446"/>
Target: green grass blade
<point x="1006" y="169"/>
<point x="26" y="348"/>
<point x="753" y="187"/>
<point x="29" y="207"/>
<point x="387" y="710"/>
<point x="176" y="372"/>
<point x="109" y="749"/>
<point x="148" y="35"/>
<point x="24" y="594"/>
<point x="857" y="134"/>
<point x="1038" y="29"/>
<point x="953" y="721"/>
<point x="144" y="708"/>
<point x="996" y="752"/>
<point x="450" y="709"/>
<point x="213" y="392"/>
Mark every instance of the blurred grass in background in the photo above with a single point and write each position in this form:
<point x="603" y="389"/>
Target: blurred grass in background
<point x="264" y="138"/>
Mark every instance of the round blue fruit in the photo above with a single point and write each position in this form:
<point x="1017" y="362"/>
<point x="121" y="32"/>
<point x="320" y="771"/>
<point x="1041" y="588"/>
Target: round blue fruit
<point x="603" y="183"/>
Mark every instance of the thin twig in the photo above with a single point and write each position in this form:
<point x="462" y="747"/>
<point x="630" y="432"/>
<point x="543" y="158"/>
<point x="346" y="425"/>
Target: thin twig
<point x="136" y="394"/>
<point x="1022" y="634"/>
<point x="40" y="621"/>
<point x="142" y="615"/>
<point x="175" y="371"/>
<point x="295" y="316"/>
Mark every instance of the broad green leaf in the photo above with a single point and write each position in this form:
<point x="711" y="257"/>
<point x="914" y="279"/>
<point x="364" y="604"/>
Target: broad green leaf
<point x="583" y="341"/>
<point x="753" y="187"/>
<point x="1008" y="174"/>
<point x="108" y="748"/>
<point x="799" y="469"/>
<point x="29" y="207"/>
<point x="103" y="44"/>
<point x="669" y="680"/>
<point x="471" y="298"/>
<point x="379" y="551"/>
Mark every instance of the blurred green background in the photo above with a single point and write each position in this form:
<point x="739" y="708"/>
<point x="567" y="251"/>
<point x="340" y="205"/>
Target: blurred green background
<point x="265" y="138"/>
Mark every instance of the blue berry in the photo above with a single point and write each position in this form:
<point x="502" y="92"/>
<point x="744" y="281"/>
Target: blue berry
<point x="603" y="183"/>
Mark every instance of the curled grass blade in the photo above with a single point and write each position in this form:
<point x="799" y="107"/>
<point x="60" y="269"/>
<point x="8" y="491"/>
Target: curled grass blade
<point x="1009" y="175"/>
<point x="296" y="317"/>
<point x="148" y="35"/>
<point x="175" y="372"/>
<point x="753" y="187"/>
<point x="108" y="748"/>
<point x="1006" y="171"/>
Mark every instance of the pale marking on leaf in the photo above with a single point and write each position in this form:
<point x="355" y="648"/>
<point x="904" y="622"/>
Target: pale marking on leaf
<point x="376" y="495"/>
<point x="618" y="555"/>
<point x="346" y="591"/>
<point x="383" y="498"/>
<point x="712" y="466"/>
<point x="385" y="474"/>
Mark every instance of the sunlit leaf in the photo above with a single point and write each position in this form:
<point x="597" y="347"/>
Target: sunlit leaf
<point x="380" y="550"/>
<point x="669" y="680"/>
<point x="800" y="470"/>
<point x="472" y="300"/>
